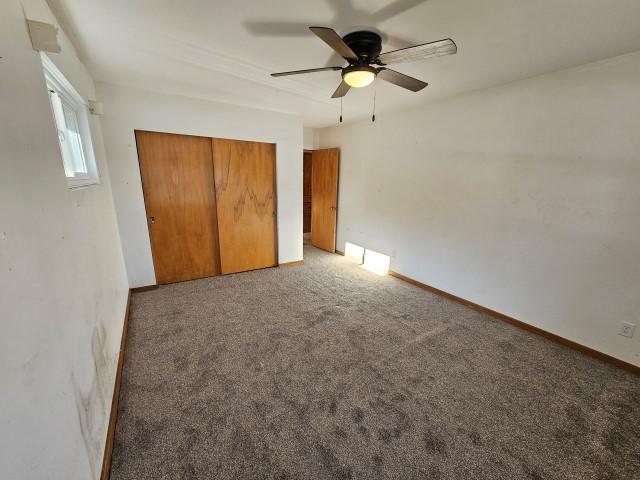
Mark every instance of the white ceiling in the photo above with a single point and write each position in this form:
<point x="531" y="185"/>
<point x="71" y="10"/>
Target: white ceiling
<point x="225" y="50"/>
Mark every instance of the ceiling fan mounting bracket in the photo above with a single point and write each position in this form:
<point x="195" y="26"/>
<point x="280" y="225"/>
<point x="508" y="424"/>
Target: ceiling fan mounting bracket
<point x="365" y="44"/>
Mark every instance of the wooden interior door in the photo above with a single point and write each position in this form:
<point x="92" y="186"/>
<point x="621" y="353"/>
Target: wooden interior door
<point x="179" y="195"/>
<point x="246" y="202"/>
<point x="324" y="204"/>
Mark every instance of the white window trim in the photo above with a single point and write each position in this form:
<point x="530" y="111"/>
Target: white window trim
<point x="55" y="78"/>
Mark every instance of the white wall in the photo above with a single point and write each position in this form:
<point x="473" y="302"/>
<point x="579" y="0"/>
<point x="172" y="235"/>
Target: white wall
<point x="523" y="198"/>
<point x="311" y="138"/>
<point x="63" y="285"/>
<point x="129" y="109"/>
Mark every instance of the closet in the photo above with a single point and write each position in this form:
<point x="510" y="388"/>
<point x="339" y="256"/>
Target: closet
<point x="210" y="203"/>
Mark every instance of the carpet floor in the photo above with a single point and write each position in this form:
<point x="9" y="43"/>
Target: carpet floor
<point x="327" y="371"/>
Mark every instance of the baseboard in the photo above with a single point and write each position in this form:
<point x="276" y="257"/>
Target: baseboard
<point x="113" y="416"/>
<point x="523" y="325"/>
<point x="146" y="288"/>
<point x="520" y="324"/>
<point x="291" y="264"/>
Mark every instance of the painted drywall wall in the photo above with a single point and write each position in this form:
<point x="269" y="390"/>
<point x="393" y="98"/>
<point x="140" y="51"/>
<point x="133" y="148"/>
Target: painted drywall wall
<point x="523" y="198"/>
<point x="129" y="109"/>
<point x="63" y="285"/>
<point x="311" y="138"/>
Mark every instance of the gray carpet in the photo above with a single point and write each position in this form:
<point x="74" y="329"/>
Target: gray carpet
<point x="326" y="371"/>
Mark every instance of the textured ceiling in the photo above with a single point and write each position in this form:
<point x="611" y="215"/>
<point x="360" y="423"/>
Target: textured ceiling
<point x="225" y="50"/>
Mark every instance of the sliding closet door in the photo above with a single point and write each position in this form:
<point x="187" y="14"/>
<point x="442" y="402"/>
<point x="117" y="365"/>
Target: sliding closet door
<point x="324" y="203"/>
<point x="246" y="202"/>
<point x="178" y="185"/>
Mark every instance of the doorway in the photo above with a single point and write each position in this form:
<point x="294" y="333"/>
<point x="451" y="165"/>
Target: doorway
<point x="320" y="197"/>
<point x="306" y="196"/>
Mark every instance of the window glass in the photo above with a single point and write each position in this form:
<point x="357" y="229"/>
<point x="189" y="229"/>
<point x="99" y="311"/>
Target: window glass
<point x="74" y="142"/>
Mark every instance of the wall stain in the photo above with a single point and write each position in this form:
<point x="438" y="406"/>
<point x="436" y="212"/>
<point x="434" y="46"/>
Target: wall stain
<point x="92" y="405"/>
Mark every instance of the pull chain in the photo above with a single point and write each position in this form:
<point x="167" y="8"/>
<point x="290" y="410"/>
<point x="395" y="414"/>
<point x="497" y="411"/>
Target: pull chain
<point x="340" y="109"/>
<point x="373" y="117"/>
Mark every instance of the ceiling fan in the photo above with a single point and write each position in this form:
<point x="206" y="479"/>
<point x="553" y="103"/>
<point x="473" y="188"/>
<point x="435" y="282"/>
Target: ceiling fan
<point x="362" y="50"/>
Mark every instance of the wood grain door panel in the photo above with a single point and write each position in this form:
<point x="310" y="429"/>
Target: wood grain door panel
<point x="324" y="187"/>
<point x="246" y="203"/>
<point x="178" y="186"/>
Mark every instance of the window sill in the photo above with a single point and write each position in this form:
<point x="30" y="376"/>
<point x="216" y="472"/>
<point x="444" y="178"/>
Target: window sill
<point x="81" y="184"/>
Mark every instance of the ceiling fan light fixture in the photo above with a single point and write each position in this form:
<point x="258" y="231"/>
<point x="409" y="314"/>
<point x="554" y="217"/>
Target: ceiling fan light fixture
<point x="359" y="76"/>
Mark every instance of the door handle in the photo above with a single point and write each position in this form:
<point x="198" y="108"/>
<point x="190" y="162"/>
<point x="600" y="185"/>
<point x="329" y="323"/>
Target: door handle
<point x="333" y="208"/>
<point x="153" y="219"/>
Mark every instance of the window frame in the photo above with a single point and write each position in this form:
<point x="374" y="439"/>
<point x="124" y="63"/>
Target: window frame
<point x="56" y="81"/>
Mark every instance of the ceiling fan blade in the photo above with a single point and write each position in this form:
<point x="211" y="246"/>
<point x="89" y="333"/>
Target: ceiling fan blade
<point x="419" y="52"/>
<point x="331" y="38"/>
<point x="342" y="90"/>
<point x="402" y="80"/>
<point x="309" y="70"/>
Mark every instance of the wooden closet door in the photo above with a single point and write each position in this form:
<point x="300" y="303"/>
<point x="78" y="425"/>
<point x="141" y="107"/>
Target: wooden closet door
<point x="246" y="201"/>
<point x="324" y="204"/>
<point x="178" y="186"/>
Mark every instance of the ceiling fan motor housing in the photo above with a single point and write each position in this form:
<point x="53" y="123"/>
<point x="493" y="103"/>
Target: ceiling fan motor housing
<point x="367" y="45"/>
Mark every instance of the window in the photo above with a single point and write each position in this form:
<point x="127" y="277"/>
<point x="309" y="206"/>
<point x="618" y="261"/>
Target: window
<point x="71" y="117"/>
